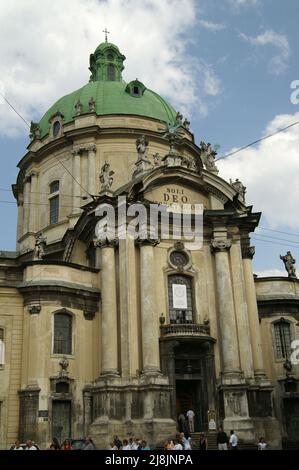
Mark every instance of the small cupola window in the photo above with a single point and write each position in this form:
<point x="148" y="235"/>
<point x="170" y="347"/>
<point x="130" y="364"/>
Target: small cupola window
<point x="135" y="88"/>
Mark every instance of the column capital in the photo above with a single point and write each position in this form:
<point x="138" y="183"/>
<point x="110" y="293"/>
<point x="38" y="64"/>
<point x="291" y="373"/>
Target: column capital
<point x="221" y="245"/>
<point x="92" y="148"/>
<point x="248" y="252"/>
<point x="77" y="151"/>
<point x="147" y="241"/>
<point x="105" y="243"/>
<point x="34" y="309"/>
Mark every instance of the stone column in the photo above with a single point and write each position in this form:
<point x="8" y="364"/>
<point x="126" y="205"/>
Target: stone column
<point x="227" y="320"/>
<point x="33" y="208"/>
<point x="20" y="226"/>
<point x="109" y="332"/>
<point x="254" y="325"/>
<point x="77" y="180"/>
<point x="92" y="169"/>
<point x="27" y="183"/>
<point x="88" y="402"/>
<point x="149" y="318"/>
<point x="241" y="311"/>
<point x="33" y="352"/>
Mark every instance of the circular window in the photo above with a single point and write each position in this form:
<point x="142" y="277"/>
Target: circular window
<point x="56" y="128"/>
<point x="179" y="258"/>
<point x="110" y="56"/>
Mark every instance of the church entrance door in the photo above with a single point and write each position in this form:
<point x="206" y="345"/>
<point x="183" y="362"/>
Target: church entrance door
<point x="188" y="394"/>
<point x="61" y="419"/>
<point x="291" y="407"/>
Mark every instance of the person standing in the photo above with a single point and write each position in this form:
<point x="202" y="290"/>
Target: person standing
<point x="262" y="445"/>
<point x="182" y="423"/>
<point x="17" y="446"/>
<point x="222" y="439"/>
<point x="190" y="415"/>
<point x="203" y="442"/>
<point x="233" y="441"/>
<point x="30" y="446"/>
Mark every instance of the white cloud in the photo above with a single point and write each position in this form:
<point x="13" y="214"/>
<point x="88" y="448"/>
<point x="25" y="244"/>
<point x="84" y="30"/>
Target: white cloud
<point x="210" y="26"/>
<point x="279" y="62"/>
<point x="270" y="171"/>
<point x="271" y="273"/>
<point x="238" y="4"/>
<point x="45" y="51"/>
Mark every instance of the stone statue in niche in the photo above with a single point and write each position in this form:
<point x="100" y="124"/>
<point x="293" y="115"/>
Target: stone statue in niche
<point x="64" y="364"/>
<point x="39" y="248"/>
<point x="106" y="177"/>
<point x="289" y="263"/>
<point x="234" y="402"/>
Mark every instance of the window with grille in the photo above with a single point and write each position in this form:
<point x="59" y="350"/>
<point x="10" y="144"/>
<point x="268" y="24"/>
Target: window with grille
<point x="111" y="72"/>
<point x="54" y="202"/>
<point x="54" y="187"/>
<point x="54" y="210"/>
<point x="62" y="333"/>
<point x="282" y="337"/>
<point x="178" y="314"/>
<point x="2" y="348"/>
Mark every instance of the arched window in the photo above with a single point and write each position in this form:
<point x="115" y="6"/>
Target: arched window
<point x="56" y="128"/>
<point x="62" y="333"/>
<point x="282" y="338"/>
<point x="180" y="299"/>
<point x="54" y="202"/>
<point x="111" y="72"/>
<point x="2" y="348"/>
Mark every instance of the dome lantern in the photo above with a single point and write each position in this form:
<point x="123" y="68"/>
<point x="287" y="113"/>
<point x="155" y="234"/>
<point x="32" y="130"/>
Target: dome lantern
<point x="106" y="63"/>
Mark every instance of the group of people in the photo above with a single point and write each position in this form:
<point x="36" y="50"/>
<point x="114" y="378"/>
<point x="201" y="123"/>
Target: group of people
<point x="224" y="442"/>
<point x="87" y="444"/>
<point x="186" y="421"/>
<point x="128" y="444"/>
<point x="183" y="442"/>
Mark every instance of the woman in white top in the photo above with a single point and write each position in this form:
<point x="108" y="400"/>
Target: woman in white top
<point x="262" y="445"/>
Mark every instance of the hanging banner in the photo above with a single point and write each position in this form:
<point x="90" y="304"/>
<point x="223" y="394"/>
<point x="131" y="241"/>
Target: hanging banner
<point x="179" y="294"/>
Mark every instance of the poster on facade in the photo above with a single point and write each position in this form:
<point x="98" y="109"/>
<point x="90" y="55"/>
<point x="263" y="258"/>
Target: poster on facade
<point x="179" y="294"/>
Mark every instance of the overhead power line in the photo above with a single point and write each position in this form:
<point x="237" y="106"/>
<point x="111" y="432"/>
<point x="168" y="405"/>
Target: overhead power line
<point x="277" y="238"/>
<point x="27" y="124"/>
<point x="275" y="243"/>
<point x="279" y="231"/>
<point x="257" y="141"/>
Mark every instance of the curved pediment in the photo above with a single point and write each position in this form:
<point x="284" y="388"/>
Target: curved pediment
<point x="182" y="186"/>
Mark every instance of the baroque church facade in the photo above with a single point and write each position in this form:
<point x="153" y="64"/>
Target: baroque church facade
<point x="93" y="340"/>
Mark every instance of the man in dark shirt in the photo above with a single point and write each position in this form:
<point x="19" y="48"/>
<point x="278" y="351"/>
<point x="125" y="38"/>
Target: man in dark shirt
<point x="222" y="439"/>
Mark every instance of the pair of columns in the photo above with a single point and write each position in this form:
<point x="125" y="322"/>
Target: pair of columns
<point x="110" y="327"/>
<point x="77" y="174"/>
<point x="249" y="344"/>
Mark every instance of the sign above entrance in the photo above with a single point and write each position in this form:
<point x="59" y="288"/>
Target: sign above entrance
<point x="179" y="293"/>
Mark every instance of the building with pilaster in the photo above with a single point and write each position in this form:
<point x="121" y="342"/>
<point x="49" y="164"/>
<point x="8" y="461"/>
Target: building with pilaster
<point x="121" y="335"/>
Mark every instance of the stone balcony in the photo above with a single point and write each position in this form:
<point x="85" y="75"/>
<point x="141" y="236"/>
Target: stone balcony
<point x="185" y="330"/>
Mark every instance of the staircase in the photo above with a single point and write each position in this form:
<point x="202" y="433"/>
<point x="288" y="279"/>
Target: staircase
<point x="211" y="437"/>
<point x="288" y="444"/>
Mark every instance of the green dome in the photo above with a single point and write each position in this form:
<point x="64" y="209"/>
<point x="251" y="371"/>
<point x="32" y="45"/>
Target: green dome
<point x="111" y="97"/>
<point x="107" y="94"/>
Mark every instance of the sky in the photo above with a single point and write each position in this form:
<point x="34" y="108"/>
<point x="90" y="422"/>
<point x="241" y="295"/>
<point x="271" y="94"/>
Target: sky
<point x="228" y="65"/>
